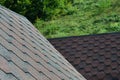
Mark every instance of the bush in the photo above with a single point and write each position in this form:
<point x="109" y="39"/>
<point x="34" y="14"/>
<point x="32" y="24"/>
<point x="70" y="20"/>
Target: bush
<point x="43" y="9"/>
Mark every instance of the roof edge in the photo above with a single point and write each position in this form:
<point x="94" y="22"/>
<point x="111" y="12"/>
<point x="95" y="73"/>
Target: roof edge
<point x="85" y="35"/>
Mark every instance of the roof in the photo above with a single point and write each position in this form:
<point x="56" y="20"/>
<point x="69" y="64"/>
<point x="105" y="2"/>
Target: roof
<point x="26" y="55"/>
<point x="97" y="57"/>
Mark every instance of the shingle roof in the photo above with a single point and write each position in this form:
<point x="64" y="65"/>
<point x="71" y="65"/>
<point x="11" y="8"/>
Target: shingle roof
<point x="97" y="57"/>
<point x="26" y="55"/>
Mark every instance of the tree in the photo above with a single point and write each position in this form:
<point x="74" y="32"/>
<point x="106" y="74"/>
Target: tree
<point x="44" y="9"/>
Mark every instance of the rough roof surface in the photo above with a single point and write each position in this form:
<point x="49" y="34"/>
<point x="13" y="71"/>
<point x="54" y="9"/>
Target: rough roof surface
<point x="26" y="55"/>
<point x="97" y="57"/>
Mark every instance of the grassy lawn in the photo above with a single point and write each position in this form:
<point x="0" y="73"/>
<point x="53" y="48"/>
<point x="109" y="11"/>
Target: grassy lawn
<point x="90" y="17"/>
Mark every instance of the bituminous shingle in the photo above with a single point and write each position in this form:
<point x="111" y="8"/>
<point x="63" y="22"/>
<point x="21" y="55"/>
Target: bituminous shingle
<point x="97" y="57"/>
<point x="26" y="55"/>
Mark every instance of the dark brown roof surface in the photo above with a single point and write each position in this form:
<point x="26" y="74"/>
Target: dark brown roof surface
<point x="26" y="55"/>
<point x="97" y="57"/>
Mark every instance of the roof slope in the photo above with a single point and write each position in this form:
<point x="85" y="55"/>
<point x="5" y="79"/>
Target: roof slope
<point x="26" y="55"/>
<point x="97" y="57"/>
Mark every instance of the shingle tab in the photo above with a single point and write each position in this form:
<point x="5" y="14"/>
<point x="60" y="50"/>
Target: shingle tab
<point x="26" y="55"/>
<point x="97" y="57"/>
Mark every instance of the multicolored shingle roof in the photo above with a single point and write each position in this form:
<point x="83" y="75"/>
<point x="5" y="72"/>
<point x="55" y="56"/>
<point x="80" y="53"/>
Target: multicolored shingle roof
<point x="26" y="55"/>
<point x="97" y="57"/>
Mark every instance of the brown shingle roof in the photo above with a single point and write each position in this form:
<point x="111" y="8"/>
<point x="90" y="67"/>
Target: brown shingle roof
<point x="26" y="55"/>
<point x="97" y="57"/>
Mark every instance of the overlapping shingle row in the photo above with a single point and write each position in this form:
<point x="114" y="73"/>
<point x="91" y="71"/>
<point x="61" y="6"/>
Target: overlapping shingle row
<point x="26" y="55"/>
<point x="97" y="57"/>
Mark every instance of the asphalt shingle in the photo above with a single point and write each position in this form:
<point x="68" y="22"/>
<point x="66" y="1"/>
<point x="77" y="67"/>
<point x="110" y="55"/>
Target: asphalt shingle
<point x="26" y="55"/>
<point x="97" y="57"/>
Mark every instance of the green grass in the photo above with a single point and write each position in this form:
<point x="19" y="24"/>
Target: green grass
<point x="91" y="17"/>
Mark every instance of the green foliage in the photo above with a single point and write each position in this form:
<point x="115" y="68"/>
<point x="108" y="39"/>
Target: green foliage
<point x="91" y="17"/>
<point x="18" y="6"/>
<point x="2" y="2"/>
<point x="43" y="9"/>
<point x="58" y="18"/>
<point x="104" y="3"/>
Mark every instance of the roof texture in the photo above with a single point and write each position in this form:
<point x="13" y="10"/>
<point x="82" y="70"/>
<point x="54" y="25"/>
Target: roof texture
<point x="97" y="57"/>
<point x="26" y="55"/>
